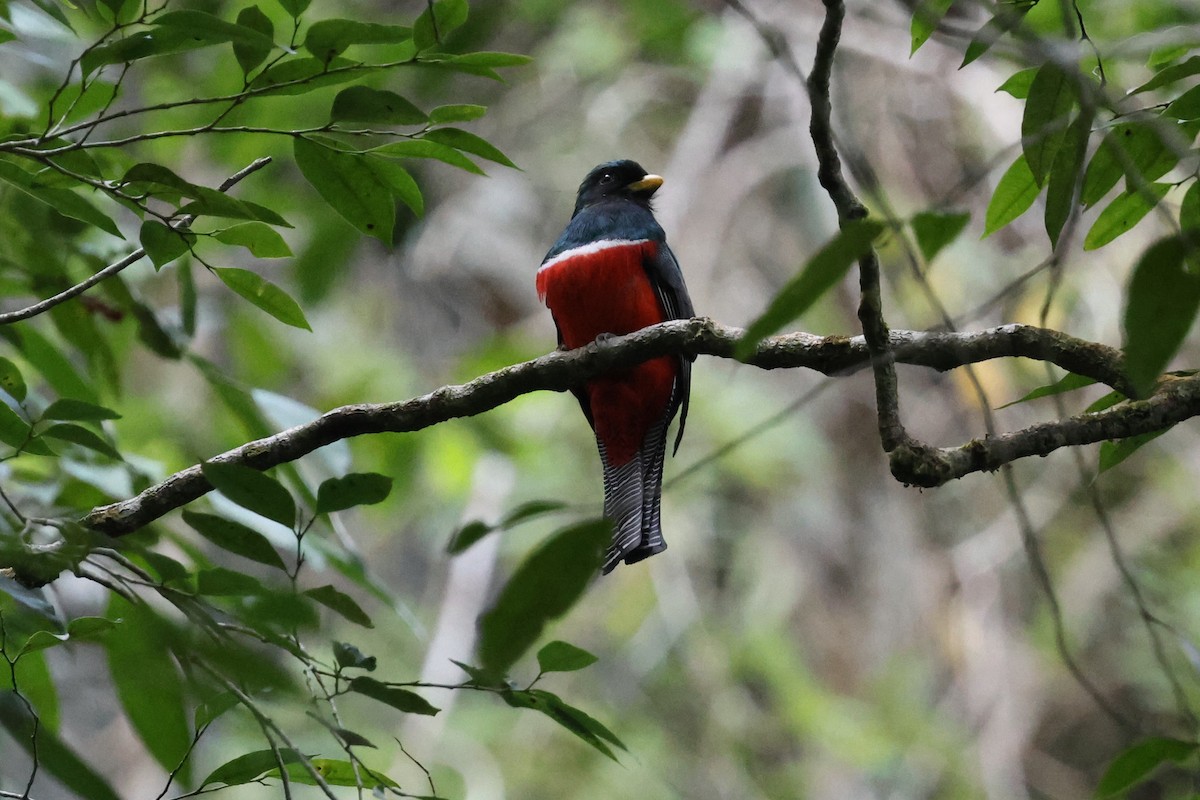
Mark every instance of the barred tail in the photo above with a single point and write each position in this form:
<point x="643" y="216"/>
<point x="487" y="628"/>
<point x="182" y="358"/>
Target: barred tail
<point x="633" y="499"/>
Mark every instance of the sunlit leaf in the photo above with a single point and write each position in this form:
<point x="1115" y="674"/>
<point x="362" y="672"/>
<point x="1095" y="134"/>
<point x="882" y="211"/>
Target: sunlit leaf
<point x="1136" y="763"/>
<point x="264" y="294"/>
<point x="252" y="490"/>
<point x="819" y="275"/>
<point x="1014" y="194"/>
<point x="934" y="230"/>
<point x="250" y="766"/>
<point x="564" y="657"/>
<point x="1068" y="383"/>
<point x="355" y="489"/>
<point x="426" y="148"/>
<point x="259" y="238"/>
<point x="234" y="537"/>
<point x="1171" y="74"/>
<point x="342" y="603"/>
<point x="542" y="589"/>
<point x="926" y="16"/>
<point x="402" y="699"/>
<point x="470" y="143"/>
<point x="336" y="772"/>
<point x="1161" y="304"/>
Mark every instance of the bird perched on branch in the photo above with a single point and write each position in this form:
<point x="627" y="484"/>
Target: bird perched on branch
<point x="611" y="273"/>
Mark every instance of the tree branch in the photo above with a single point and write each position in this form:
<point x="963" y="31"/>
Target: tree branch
<point x="183" y="222"/>
<point x="1179" y="399"/>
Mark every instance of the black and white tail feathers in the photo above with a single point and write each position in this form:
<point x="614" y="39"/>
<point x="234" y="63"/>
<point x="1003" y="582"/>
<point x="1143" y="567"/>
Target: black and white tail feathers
<point x="633" y="499"/>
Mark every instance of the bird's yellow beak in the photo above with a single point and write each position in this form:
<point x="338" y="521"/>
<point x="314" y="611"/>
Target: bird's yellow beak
<point x="648" y="184"/>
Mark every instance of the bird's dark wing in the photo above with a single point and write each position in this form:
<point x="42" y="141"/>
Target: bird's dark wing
<point x="667" y="279"/>
<point x="580" y="392"/>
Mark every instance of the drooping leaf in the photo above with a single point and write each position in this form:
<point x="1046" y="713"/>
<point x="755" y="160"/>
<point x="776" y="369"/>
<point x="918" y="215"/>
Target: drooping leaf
<point x="1067" y="383"/>
<point x="249" y="55"/>
<point x="1007" y="17"/>
<point x="1136" y="147"/>
<point x="1014" y="194"/>
<point x="250" y="766"/>
<point x="468" y="535"/>
<point x="260" y="239"/>
<point x="1186" y="106"/>
<point x="252" y="490"/>
<point x="533" y="508"/>
<point x="350" y="185"/>
<point x="560" y="656"/>
<point x="402" y="699"/>
<point x="426" y="148"/>
<point x="234" y="537"/>
<point x="53" y="755"/>
<point x="14" y="431"/>
<point x="342" y="603"/>
<point x="78" y="411"/>
<point x="400" y="182"/>
<point x="147" y="680"/>
<point x="375" y="106"/>
<point x="470" y="143"/>
<point x="64" y="201"/>
<point x="355" y="489"/>
<point x="818" y="276"/>
<point x="1065" y="175"/>
<point x="1171" y="74"/>
<point x="542" y="589"/>
<point x="1044" y="124"/>
<point x="11" y="380"/>
<point x="1019" y="82"/>
<point x="573" y="719"/>
<point x="1114" y="452"/>
<point x="1161" y="304"/>
<point x="264" y="294"/>
<point x="1123" y="213"/>
<point x="926" y="16"/>
<point x="1137" y="762"/>
<point x="329" y="37"/>
<point x="338" y="772"/>
<point x="934" y="230"/>
<point x="212" y="203"/>
<point x="163" y="244"/>
<point x="46" y="358"/>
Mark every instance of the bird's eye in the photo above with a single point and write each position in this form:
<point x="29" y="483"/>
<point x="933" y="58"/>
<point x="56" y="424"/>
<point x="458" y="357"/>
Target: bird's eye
<point x="606" y="179"/>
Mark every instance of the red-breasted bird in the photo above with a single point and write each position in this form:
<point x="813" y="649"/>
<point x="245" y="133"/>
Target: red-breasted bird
<point x="611" y="273"/>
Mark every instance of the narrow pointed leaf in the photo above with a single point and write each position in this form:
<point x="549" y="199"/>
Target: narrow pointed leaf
<point x="402" y="699"/>
<point x="234" y="537"/>
<point x="1065" y="175"/>
<point x="456" y="113"/>
<point x="1067" y="383"/>
<point x="350" y="185"/>
<point x="250" y="766"/>
<point x="1161" y="305"/>
<point x="78" y="411"/>
<point x="1122" y="214"/>
<point x="1014" y="194"/>
<point x="259" y="238"/>
<point x="342" y="603"/>
<point x="11" y="380"/>
<point x="1044" y="124"/>
<point x="470" y="143"/>
<point x="264" y="294"/>
<point x="77" y="434"/>
<point x="564" y="657"/>
<point x="1136" y="763"/>
<point x="53" y="755"/>
<point x="926" y="16"/>
<point x="934" y="230"/>
<point x="1114" y="452"/>
<point x="426" y="148"/>
<point x="252" y="490"/>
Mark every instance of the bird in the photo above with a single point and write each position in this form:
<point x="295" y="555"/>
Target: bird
<point x="611" y="273"/>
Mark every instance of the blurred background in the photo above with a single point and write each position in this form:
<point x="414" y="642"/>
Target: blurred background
<point x="815" y="630"/>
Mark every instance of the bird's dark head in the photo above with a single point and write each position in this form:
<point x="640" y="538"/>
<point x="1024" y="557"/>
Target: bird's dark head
<point x="623" y="180"/>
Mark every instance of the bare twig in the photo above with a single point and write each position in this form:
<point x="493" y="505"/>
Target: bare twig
<point x="112" y="269"/>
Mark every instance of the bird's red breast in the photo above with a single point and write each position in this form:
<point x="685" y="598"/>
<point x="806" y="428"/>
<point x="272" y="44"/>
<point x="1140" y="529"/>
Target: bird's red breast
<point x="602" y="287"/>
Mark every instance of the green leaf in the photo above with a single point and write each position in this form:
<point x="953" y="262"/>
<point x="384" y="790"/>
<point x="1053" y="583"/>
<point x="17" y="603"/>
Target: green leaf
<point x="1186" y="106"/>
<point x="58" y="371"/>
<point x="1114" y="452"/>
<point x="294" y="7"/>
<point x="1006" y="18"/>
<point x="1014" y="194"/>
<point x="216" y="204"/>
<point x="1135" y="147"/>
<point x="264" y="294"/>
<point x="202" y="25"/>
<point x="470" y="143"/>
<point x="148" y="681"/>
<point x="64" y="201"/>
<point x="1122" y="214"/>
<point x="1189" y="213"/>
<point x="1133" y="766"/>
<point x="1171" y="74"/>
<point x="355" y="489"/>
<point x="402" y="699"/>
<point x="213" y="708"/>
<point x="1065" y="176"/>
<point x="401" y="183"/>
<point x="1018" y="83"/>
<point x="303" y="75"/>
<point x="252" y="490"/>
<point x="164" y="244"/>
<point x="248" y="54"/>
<point x="573" y="719"/>
<point x="818" y="276"/>
<point x="78" y="410"/>
<point x="437" y="21"/>
<point x="926" y="16"/>
<point x="52" y="754"/>
<point x="11" y="380"/>
<point x="1161" y="304"/>
<point x="364" y="104"/>
<point x="330" y="37"/>
<point x="77" y="434"/>
<point x="456" y="113"/>
<point x="250" y="766"/>
<point x="563" y="657"/>
<point x="260" y="239"/>
<point x="490" y="60"/>
<point x="534" y="508"/>
<point x="934" y="230"/>
<point x="143" y="44"/>
<point x="468" y="535"/>
<point x="1067" y="383"/>
<point x="337" y="772"/>
<point x="221" y="582"/>
<point x="1044" y="124"/>
<point x="235" y="538"/>
<point x="426" y="148"/>
<point x="349" y="183"/>
<point x="543" y="588"/>
<point x="350" y="657"/>
<point x="14" y="431"/>
<point x="342" y="603"/>
<point x="187" y="297"/>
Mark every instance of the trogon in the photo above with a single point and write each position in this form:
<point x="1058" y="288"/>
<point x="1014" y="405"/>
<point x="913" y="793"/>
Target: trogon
<point x="611" y="273"/>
